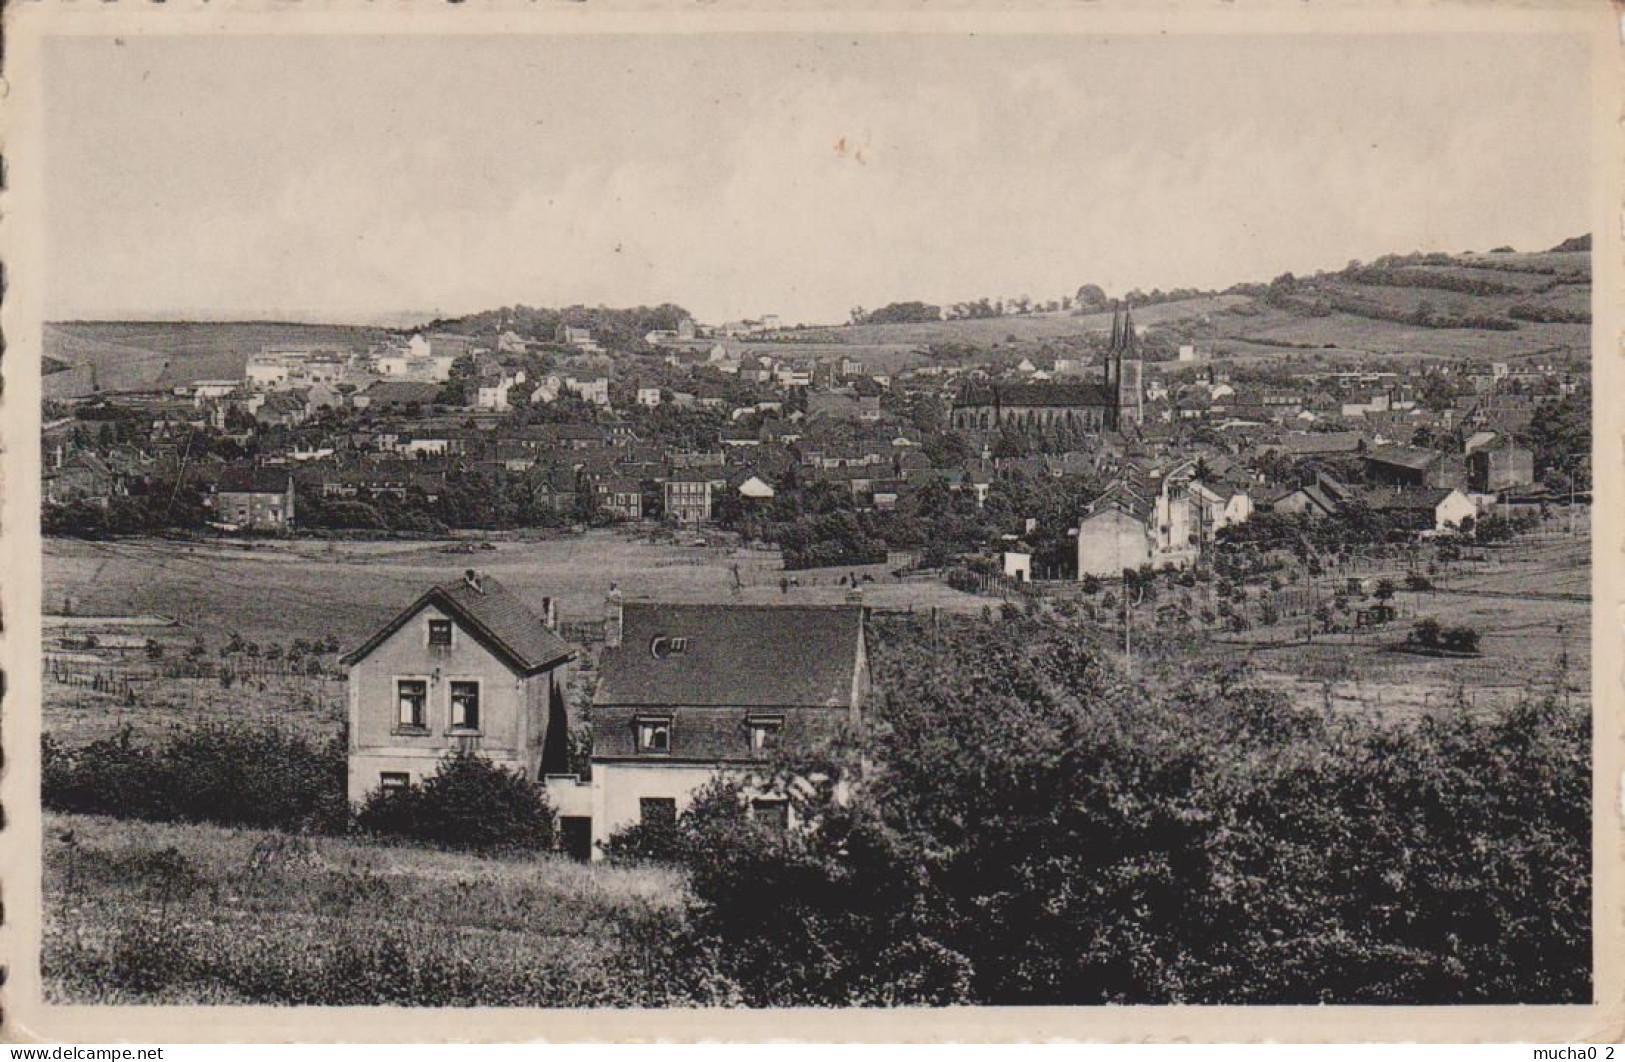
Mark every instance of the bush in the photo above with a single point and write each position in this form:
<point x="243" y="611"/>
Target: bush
<point x="468" y="803"/>
<point x="1214" y="845"/>
<point x="1426" y="633"/>
<point x="1461" y="640"/>
<point x="1418" y="581"/>
<point x="230" y="774"/>
<point x="964" y="580"/>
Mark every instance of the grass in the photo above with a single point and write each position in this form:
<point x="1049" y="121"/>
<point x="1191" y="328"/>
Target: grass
<point x="274" y="592"/>
<point x="1027" y="328"/>
<point x="1529" y="602"/>
<point x="141" y="354"/>
<point x="77" y="715"/>
<point x="153" y="913"/>
<point x="278" y="591"/>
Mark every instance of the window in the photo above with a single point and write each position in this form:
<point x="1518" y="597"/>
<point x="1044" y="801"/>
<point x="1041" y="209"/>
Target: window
<point x="465" y="705"/>
<point x="440" y="632"/>
<point x="391" y="781"/>
<point x="413" y="695"/>
<point x="654" y="735"/>
<point x="657" y="811"/>
<point x="772" y="813"/>
<point x="764" y="733"/>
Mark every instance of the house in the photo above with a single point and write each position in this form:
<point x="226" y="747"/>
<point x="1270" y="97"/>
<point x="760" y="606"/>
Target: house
<point x="491" y="391"/>
<point x="580" y="338"/>
<point x="1219" y="505"/>
<point x="649" y="397"/>
<point x="83" y="477"/>
<point x="688" y="691"/>
<point x="1405" y="466"/>
<point x="621" y="496"/>
<point x="284" y="409"/>
<point x="687" y="494"/>
<point x="753" y="487"/>
<point x="1317" y="444"/>
<point x="254" y="499"/>
<point x="468" y="666"/>
<point x="1322" y="496"/>
<point x="1114" y="534"/>
<point x="1425" y="510"/>
<point x="1495" y="468"/>
<point x="594" y="391"/>
<point x="397" y="395"/>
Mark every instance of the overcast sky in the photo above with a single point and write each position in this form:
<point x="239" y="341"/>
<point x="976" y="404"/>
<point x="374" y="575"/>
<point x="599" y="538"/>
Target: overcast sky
<point x="350" y="179"/>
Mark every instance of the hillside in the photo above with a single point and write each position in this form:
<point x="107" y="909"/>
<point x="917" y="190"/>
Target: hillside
<point x="1490" y="306"/>
<point x="128" y="355"/>
<point x="1494" y="306"/>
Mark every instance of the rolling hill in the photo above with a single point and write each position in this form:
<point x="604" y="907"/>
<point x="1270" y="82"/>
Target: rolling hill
<point x="131" y="355"/>
<point x="1493" y="307"/>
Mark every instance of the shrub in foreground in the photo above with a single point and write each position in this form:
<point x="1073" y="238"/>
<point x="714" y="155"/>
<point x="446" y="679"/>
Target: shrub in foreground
<point x="232" y="774"/>
<point x="468" y="803"/>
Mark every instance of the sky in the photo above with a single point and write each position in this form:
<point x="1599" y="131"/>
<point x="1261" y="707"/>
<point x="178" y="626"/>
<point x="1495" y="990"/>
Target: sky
<point x="358" y="179"/>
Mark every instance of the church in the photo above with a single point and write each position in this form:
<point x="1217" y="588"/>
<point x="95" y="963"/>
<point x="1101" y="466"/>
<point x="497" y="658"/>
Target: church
<point x="1110" y="405"/>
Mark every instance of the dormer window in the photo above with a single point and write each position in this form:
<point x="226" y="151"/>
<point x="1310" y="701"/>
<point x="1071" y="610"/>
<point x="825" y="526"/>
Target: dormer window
<point x="654" y="734"/>
<point x="440" y="633"/>
<point x="765" y="731"/>
<point x="662" y="646"/>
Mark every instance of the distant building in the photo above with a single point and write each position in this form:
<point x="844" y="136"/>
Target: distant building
<point x="1493" y="469"/>
<point x="1405" y="466"/>
<point x="1426" y="509"/>
<point x="1113" y="535"/>
<point x="1093" y="407"/>
<point x="688" y="494"/>
<point x="255" y="499"/>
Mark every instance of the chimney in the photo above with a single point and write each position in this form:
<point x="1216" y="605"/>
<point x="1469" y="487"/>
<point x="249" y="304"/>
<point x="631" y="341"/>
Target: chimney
<point x="612" y="617"/>
<point x="471" y="579"/>
<point x="550" y="613"/>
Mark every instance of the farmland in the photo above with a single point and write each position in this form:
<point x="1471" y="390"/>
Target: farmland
<point x="273" y="593"/>
<point x="1530" y="601"/>
<point x="131" y="355"/>
<point x="159" y="913"/>
<point x="281" y="590"/>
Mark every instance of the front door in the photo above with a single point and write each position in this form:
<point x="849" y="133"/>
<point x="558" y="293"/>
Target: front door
<point x="575" y="831"/>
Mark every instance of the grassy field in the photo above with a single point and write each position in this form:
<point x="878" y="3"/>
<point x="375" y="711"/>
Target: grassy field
<point x="157" y="913"/>
<point x="131" y="355"/>
<point x="278" y="591"/>
<point x="1529" y="601"/>
<point x="1027" y="327"/>
<point x="275" y="592"/>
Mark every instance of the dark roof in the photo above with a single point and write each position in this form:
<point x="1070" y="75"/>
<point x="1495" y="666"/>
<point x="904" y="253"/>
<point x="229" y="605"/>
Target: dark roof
<point x="494" y="615"/>
<point x="764" y="656"/>
<point x="1408" y="499"/>
<point x="1321" y="442"/>
<point x="253" y="481"/>
<point x="1070" y="395"/>
<point x="1404" y="457"/>
<point x="402" y="392"/>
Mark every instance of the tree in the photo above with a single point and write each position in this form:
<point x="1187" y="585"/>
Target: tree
<point x="1090" y="297"/>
